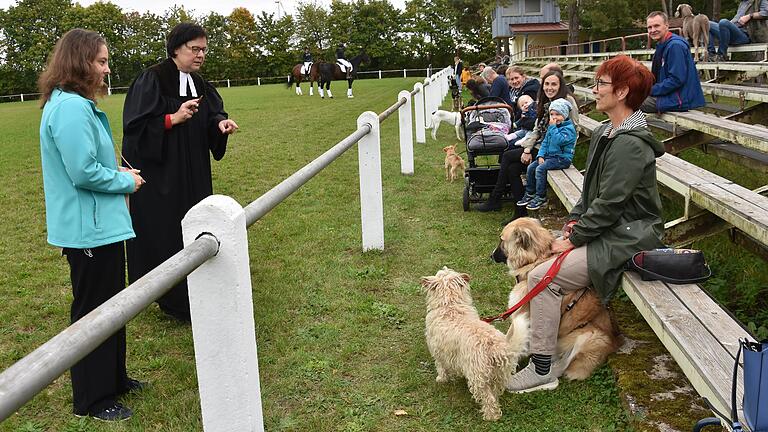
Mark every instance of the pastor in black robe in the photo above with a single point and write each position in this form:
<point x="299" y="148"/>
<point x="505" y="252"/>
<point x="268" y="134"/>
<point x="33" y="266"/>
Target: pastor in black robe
<point x="175" y="164"/>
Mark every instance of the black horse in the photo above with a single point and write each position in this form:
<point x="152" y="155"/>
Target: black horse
<point x="331" y="71"/>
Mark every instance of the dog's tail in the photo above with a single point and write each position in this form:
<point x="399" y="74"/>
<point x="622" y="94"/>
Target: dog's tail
<point x="290" y="81"/>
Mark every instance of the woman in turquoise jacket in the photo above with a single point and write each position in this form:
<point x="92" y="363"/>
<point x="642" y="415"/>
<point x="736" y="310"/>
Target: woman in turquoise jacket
<point x="85" y="207"/>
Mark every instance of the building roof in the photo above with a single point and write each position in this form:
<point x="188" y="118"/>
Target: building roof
<point x="561" y="27"/>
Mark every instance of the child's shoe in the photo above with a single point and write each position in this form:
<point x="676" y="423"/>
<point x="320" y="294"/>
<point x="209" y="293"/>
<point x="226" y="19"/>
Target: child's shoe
<point x="536" y="203"/>
<point x="528" y="197"/>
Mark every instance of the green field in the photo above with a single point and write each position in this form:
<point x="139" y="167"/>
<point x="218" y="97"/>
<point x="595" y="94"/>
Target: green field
<point x="340" y="333"/>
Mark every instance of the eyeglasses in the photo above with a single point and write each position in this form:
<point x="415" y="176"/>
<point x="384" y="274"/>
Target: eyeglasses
<point x="196" y="49"/>
<point x="598" y="83"/>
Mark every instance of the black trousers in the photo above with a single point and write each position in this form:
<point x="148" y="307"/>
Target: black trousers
<point x="510" y="171"/>
<point x="100" y="377"/>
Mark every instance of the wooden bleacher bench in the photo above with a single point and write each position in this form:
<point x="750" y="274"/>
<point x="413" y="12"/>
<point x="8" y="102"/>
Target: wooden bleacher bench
<point x="749" y="136"/>
<point x="752" y="47"/>
<point x="697" y="332"/>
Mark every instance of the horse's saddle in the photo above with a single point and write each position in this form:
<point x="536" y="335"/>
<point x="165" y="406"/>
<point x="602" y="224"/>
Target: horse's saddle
<point x="344" y="65"/>
<point x="306" y="67"/>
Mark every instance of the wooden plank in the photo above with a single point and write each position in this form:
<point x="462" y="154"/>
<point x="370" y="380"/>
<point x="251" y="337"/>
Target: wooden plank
<point x="706" y="364"/>
<point x="749" y="136"/>
<point x="691" y="174"/>
<point x="564" y="188"/>
<point x="746" y="211"/>
<point x="712" y="316"/>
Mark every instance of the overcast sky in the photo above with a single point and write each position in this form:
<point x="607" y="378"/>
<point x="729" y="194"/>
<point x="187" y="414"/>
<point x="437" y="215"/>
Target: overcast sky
<point x="203" y="7"/>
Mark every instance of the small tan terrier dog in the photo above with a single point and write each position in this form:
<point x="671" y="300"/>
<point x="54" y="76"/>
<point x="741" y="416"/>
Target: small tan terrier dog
<point x="452" y="163"/>
<point x="463" y="345"/>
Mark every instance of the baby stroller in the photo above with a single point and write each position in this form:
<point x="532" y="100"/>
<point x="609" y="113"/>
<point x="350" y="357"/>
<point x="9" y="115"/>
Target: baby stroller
<point x="485" y="125"/>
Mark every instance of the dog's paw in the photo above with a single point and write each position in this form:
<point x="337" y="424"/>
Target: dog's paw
<point x="491" y="414"/>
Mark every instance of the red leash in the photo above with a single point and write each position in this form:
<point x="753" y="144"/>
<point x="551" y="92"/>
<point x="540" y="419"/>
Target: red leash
<point x="551" y="273"/>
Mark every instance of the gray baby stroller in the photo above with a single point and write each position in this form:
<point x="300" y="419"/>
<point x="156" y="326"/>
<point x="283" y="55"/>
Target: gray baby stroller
<point x="485" y="125"/>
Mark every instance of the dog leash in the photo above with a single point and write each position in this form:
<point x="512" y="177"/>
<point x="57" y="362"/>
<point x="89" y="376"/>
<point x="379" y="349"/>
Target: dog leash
<point x="551" y="273"/>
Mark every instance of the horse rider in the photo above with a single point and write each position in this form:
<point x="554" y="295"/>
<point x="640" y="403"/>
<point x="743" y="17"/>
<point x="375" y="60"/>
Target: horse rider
<point x="341" y="60"/>
<point x="307" y="61"/>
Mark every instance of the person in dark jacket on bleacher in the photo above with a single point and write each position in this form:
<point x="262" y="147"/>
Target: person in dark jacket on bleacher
<point x="677" y="85"/>
<point x="499" y="85"/>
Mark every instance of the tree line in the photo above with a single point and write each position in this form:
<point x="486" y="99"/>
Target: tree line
<point x="243" y="45"/>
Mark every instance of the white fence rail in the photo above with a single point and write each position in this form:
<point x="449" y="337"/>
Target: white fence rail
<point x="380" y="74"/>
<point x="215" y="257"/>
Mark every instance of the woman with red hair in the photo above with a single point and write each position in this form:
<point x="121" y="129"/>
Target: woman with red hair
<point x="618" y="214"/>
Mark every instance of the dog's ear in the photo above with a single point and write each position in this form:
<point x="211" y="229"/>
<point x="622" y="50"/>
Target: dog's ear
<point x="525" y="238"/>
<point x="465" y="277"/>
<point x="427" y="282"/>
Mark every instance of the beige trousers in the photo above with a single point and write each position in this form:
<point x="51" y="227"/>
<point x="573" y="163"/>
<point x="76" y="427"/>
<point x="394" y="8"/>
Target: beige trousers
<point x="545" y="307"/>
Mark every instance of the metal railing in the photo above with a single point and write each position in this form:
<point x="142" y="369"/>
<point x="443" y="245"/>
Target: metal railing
<point x="215" y="261"/>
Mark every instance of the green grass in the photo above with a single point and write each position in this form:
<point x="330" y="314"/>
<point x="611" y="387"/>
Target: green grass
<point x="340" y="333"/>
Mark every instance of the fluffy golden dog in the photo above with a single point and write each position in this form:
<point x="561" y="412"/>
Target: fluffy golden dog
<point x="452" y="163"/>
<point x="587" y="335"/>
<point x="463" y="345"/>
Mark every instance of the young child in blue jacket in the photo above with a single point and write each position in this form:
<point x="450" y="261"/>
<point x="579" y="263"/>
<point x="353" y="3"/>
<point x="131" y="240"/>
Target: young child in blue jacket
<point x="525" y="123"/>
<point x="556" y="152"/>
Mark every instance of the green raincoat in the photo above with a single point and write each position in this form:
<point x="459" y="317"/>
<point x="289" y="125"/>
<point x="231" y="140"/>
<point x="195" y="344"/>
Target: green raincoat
<point x="619" y="212"/>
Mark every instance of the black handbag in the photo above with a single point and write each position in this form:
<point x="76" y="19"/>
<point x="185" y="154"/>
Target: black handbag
<point x="675" y="266"/>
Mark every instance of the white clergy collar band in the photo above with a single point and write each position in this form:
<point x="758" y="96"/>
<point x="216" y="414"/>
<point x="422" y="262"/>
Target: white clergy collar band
<point x="185" y="79"/>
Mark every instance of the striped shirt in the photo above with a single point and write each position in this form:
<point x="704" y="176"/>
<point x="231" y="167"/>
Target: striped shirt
<point x="634" y="121"/>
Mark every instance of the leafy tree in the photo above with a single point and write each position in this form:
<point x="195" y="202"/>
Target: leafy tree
<point x="144" y="45"/>
<point x="273" y="38"/>
<point x="215" y="66"/>
<point x="312" y="26"/>
<point x="29" y="31"/>
<point x="240" y="53"/>
<point x="431" y="26"/>
<point x="109" y="21"/>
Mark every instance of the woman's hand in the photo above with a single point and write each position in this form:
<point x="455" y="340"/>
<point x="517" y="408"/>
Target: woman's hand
<point x="526" y="158"/>
<point x="541" y="160"/>
<point x="138" y="181"/>
<point x="563" y="245"/>
<point x="227" y="126"/>
<point x="185" y="112"/>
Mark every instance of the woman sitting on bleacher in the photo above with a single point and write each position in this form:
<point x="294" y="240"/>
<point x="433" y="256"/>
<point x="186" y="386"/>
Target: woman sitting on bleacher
<point x="514" y="160"/>
<point x="618" y="214"/>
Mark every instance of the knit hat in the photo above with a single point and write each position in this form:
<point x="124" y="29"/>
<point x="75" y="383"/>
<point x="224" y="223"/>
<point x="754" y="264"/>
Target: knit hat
<point x="561" y="106"/>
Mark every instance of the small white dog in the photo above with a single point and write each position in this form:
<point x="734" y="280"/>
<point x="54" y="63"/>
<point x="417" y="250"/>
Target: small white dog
<point x="452" y="118"/>
<point x="463" y="345"/>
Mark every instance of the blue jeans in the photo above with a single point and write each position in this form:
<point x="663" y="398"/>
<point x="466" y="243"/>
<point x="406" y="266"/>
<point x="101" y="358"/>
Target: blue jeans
<point x="537" y="174"/>
<point x="458" y="81"/>
<point x="728" y="34"/>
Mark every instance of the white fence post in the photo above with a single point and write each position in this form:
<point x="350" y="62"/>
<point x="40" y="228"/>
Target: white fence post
<point x="223" y="330"/>
<point x="371" y="200"/>
<point x="379" y="73"/>
<point x="258" y="80"/>
<point x="227" y="82"/>
<point x="405" y="74"/>
<point x="428" y="89"/>
<point x="406" y="134"/>
<point x="418" y="106"/>
<point x="22" y="97"/>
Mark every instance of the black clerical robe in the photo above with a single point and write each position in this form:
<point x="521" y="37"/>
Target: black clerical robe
<point x="175" y="164"/>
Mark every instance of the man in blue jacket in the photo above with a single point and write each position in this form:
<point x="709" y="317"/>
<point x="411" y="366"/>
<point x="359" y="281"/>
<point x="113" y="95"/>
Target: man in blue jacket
<point x="677" y="85"/>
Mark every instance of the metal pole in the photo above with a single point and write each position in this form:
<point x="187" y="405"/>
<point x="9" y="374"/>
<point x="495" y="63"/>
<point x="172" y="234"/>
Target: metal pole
<point x="262" y="205"/>
<point x="27" y="377"/>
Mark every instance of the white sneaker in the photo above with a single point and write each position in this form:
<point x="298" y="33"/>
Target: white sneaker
<point x="527" y="380"/>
